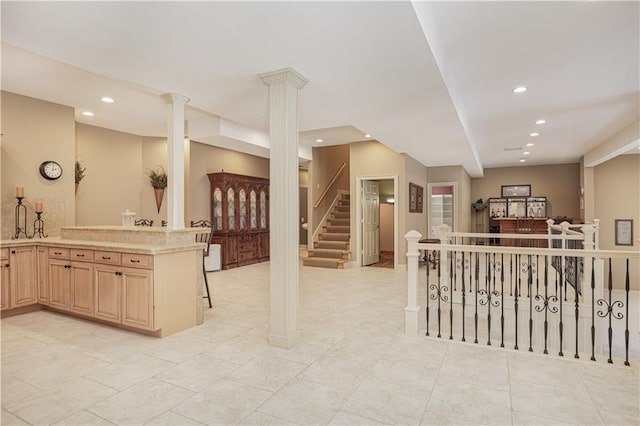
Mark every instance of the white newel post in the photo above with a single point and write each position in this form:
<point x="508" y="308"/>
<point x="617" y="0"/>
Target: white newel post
<point x="175" y="159"/>
<point x="283" y="204"/>
<point x="411" y="312"/>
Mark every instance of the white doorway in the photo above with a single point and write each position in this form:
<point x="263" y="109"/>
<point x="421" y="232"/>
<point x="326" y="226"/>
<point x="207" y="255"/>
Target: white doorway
<point x="367" y="212"/>
<point x="442" y="207"/>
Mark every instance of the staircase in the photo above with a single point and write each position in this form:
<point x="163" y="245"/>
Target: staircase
<point x="331" y="250"/>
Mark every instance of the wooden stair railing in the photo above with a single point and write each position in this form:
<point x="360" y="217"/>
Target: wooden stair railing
<point x="331" y="183"/>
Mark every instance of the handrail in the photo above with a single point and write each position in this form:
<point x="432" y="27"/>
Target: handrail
<point x="326" y="191"/>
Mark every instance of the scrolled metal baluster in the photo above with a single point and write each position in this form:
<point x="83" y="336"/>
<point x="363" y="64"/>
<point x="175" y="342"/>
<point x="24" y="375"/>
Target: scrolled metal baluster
<point x="610" y="305"/>
<point x="515" y="302"/>
<point x="626" y="330"/>
<point x="451" y="274"/>
<point x="464" y="265"/>
<point x="502" y="301"/>
<point x="577" y="307"/>
<point x="593" y="313"/>
<point x="475" y="315"/>
<point x="561" y="324"/>
<point x="530" y="295"/>
<point x="428" y="295"/>
<point x="546" y="307"/>
<point x="439" y="289"/>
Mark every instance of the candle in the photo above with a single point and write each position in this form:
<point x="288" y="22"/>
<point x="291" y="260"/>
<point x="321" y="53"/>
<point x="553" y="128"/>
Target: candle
<point x="39" y="206"/>
<point x="20" y="191"/>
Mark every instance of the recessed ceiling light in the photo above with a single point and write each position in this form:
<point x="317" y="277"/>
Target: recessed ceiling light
<point x="88" y="113"/>
<point x="319" y="140"/>
<point x="519" y="89"/>
<point x="106" y="99"/>
<point x="530" y="144"/>
<point x="367" y="135"/>
<point x="522" y="160"/>
<point x="526" y="153"/>
<point x="534" y="134"/>
<point x="541" y="121"/>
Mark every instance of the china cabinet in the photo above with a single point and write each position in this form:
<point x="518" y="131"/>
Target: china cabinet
<point x="240" y="218"/>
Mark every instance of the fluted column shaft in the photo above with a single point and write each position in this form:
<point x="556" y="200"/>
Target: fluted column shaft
<point x="284" y="205"/>
<point x="175" y="159"/>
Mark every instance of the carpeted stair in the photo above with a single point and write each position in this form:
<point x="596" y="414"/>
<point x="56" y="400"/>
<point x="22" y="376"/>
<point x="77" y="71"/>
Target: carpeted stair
<point x="332" y="248"/>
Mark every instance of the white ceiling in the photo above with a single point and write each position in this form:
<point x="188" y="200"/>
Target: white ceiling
<point x="430" y="79"/>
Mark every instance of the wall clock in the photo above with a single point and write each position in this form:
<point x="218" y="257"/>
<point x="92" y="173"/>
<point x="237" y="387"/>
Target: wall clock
<point x="50" y="170"/>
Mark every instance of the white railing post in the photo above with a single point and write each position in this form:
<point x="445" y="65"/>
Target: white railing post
<point x="596" y="238"/>
<point x="443" y="261"/>
<point x="411" y="312"/>
<point x="550" y="222"/>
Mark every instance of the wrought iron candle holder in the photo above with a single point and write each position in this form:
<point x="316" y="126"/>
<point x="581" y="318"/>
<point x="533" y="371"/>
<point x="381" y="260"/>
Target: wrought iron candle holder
<point x="20" y="213"/>
<point x="38" y="226"/>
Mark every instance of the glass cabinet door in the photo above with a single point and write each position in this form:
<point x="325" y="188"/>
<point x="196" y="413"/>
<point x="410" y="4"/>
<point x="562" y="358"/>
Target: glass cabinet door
<point x="231" y="209"/>
<point x="217" y="209"/>
<point x="263" y="210"/>
<point x="243" y="209"/>
<point x="254" y="209"/>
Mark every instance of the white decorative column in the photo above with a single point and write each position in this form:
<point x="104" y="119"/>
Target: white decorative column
<point x="412" y="310"/>
<point x="283" y="204"/>
<point x="175" y="159"/>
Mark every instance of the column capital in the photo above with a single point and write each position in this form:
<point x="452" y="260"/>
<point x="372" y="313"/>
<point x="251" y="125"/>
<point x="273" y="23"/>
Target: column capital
<point x="174" y="98"/>
<point x="284" y="75"/>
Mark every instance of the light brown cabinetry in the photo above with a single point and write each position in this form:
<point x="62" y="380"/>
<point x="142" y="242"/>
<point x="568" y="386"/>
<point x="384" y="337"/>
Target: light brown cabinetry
<point x="70" y="285"/>
<point x="59" y="282"/>
<point x="240" y="218"/>
<point x="42" y="265"/>
<point x="5" y="277"/>
<point x="124" y="294"/>
<point x="23" y="276"/>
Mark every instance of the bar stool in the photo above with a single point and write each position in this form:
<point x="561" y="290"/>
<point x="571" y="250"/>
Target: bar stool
<point x="206" y="239"/>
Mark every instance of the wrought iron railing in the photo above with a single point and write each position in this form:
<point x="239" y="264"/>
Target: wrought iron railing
<point x="529" y="297"/>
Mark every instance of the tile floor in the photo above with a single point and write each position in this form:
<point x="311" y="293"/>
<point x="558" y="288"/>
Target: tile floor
<point x="352" y="367"/>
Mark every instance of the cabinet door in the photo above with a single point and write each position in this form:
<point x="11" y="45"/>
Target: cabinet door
<point x="107" y="290"/>
<point x="59" y="278"/>
<point x="5" y="283"/>
<point x="81" y="287"/>
<point x="43" y="275"/>
<point x="24" y="283"/>
<point x="137" y="298"/>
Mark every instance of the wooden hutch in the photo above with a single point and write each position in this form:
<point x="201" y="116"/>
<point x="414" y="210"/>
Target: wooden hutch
<point x="240" y="218"/>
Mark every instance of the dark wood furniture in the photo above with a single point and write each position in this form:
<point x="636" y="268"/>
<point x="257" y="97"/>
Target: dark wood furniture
<point x="510" y="225"/>
<point x="240" y="218"/>
<point x="143" y="222"/>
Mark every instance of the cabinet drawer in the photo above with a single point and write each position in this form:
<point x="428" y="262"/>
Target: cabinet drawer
<point x="247" y="255"/>
<point x="137" y="260"/>
<point x="81" y="255"/>
<point x="58" y="253"/>
<point x="107" y="257"/>
<point x="248" y="246"/>
<point x="4" y="253"/>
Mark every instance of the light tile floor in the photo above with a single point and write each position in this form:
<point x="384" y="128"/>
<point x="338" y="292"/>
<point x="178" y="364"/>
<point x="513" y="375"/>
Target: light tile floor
<point x="352" y="367"/>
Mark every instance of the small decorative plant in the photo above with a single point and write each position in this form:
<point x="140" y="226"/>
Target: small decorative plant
<point x="479" y="205"/>
<point x="80" y="171"/>
<point x="158" y="177"/>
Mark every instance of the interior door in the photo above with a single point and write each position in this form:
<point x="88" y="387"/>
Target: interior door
<point x="370" y="222"/>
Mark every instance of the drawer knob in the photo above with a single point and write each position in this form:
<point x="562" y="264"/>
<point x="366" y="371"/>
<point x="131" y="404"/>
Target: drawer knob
<point x="55" y="252"/>
<point x="80" y="255"/>
<point x="106" y="257"/>
<point x="134" y="261"/>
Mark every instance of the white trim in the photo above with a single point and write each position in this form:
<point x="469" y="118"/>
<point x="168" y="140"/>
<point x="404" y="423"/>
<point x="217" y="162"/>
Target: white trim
<point x="358" y="211"/>
<point x="456" y="219"/>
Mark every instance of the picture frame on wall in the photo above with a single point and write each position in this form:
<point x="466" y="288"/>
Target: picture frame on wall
<point x="624" y="232"/>
<point x="515" y="191"/>
<point x="416" y="198"/>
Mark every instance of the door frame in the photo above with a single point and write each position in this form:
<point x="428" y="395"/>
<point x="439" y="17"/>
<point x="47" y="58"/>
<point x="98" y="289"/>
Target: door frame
<point x="358" y="216"/>
<point x="456" y="220"/>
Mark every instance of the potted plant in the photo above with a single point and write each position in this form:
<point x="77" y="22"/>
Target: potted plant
<point x="158" y="179"/>
<point x="479" y="206"/>
<point x="79" y="173"/>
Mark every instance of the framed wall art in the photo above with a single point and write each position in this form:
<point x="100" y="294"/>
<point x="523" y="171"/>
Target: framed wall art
<point x="416" y="198"/>
<point x="624" y="232"/>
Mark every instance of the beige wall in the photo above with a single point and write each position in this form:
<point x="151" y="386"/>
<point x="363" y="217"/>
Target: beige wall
<point x="326" y="162"/>
<point x="371" y="159"/>
<point x="386" y="227"/>
<point x="462" y="198"/>
<point x="35" y="131"/>
<point x="210" y="159"/>
<point x="416" y="173"/>
<point x="617" y="196"/>
<point x="559" y="183"/>
<point x="114" y="180"/>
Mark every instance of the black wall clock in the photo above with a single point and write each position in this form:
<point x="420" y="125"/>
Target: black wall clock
<point x="50" y="170"/>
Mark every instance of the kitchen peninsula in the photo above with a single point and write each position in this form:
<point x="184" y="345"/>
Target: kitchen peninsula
<point x="144" y="279"/>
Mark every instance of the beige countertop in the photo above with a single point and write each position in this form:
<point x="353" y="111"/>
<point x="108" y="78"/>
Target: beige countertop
<point x="142" y="240"/>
